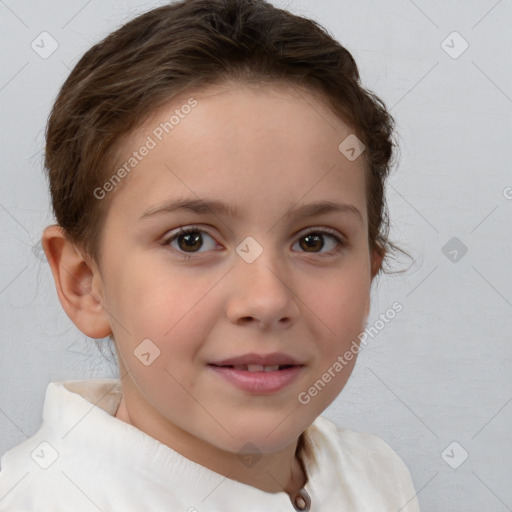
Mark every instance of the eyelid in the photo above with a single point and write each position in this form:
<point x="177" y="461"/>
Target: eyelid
<point x="322" y="229"/>
<point x="171" y="234"/>
<point x="174" y="233"/>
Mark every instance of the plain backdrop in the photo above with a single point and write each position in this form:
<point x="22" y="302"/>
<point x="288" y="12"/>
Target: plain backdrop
<point x="436" y="381"/>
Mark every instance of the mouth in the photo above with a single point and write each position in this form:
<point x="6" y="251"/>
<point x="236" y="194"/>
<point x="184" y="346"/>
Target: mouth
<point x="260" y="374"/>
<point x="259" y="362"/>
<point x="255" y="367"/>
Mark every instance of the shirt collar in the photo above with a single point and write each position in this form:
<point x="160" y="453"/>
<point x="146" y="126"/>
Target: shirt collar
<point x="84" y="414"/>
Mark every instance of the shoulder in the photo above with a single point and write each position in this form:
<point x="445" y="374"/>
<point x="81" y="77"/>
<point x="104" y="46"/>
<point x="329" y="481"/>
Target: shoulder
<point x="32" y="471"/>
<point x="365" y="460"/>
<point x="24" y="478"/>
<point x="354" y="445"/>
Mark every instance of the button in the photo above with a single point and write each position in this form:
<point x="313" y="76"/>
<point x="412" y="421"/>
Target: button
<point x="302" y="501"/>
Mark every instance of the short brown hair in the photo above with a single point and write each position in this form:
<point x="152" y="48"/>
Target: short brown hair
<point x="191" y="44"/>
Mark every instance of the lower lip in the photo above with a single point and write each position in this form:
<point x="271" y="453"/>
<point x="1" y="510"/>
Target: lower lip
<point x="259" y="382"/>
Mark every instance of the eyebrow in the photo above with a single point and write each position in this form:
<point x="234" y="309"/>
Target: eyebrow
<point x="205" y="206"/>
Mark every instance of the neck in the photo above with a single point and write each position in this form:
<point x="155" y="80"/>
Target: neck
<point x="273" y="472"/>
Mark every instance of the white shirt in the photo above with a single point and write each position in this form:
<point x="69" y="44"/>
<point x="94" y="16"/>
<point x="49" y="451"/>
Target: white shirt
<point x="84" y="459"/>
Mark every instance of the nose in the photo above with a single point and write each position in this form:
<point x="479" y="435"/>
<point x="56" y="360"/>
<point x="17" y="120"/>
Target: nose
<point x="262" y="293"/>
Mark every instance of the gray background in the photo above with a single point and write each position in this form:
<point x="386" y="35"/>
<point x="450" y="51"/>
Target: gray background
<point x="440" y="371"/>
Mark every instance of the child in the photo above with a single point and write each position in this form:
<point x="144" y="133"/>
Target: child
<point x="217" y="174"/>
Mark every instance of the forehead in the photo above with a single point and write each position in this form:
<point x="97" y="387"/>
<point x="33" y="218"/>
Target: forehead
<point x="229" y="108"/>
<point x="273" y="138"/>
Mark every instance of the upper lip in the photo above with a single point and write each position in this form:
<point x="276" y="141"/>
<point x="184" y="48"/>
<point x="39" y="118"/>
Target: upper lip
<point x="276" y="358"/>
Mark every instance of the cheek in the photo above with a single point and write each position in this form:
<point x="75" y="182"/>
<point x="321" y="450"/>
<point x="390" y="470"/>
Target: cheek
<point x="154" y="299"/>
<point x="172" y="312"/>
<point x="340" y="307"/>
<point x="339" y="314"/>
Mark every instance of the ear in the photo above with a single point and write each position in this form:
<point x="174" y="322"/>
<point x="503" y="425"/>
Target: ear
<point x="78" y="283"/>
<point x="377" y="257"/>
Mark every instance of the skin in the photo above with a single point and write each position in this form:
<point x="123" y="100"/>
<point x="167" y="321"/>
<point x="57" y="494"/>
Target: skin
<point x="267" y="150"/>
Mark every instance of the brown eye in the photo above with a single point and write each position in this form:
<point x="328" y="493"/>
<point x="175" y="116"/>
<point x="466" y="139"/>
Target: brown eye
<point x="314" y="241"/>
<point x="189" y="240"/>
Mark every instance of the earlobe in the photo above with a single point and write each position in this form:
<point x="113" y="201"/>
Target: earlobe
<point x="74" y="278"/>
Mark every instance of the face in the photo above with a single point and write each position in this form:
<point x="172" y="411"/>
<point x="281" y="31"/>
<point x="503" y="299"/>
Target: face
<point x="223" y="327"/>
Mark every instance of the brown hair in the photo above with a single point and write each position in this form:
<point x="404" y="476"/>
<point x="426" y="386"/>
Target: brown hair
<point x="190" y="44"/>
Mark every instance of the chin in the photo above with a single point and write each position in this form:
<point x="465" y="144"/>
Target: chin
<point x="268" y="436"/>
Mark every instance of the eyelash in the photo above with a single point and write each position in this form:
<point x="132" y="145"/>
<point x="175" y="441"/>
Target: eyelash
<point x="194" y="229"/>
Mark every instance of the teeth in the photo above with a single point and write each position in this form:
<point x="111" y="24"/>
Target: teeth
<point x="256" y="368"/>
